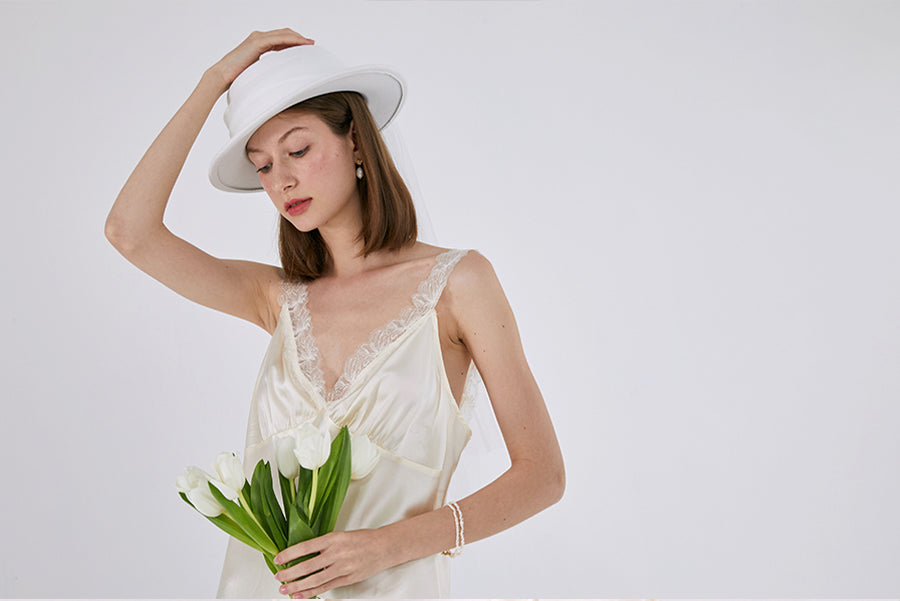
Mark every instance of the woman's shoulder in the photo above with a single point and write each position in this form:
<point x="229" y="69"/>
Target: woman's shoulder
<point x="456" y="267"/>
<point x="472" y="271"/>
<point x="464" y="259"/>
<point x="471" y="281"/>
<point x="473" y="299"/>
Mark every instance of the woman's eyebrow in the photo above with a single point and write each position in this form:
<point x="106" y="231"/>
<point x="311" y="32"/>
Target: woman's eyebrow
<point x="280" y="140"/>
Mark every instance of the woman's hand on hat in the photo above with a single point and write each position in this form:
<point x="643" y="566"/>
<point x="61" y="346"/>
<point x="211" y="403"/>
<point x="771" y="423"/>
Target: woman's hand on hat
<point x="254" y="46"/>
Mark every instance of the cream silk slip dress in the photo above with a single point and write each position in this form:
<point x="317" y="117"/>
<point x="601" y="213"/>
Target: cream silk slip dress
<point x="395" y="390"/>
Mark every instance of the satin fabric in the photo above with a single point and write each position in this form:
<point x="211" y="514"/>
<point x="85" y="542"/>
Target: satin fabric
<point x="396" y="392"/>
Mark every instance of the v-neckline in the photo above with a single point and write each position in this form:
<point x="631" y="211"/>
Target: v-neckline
<point x="310" y="357"/>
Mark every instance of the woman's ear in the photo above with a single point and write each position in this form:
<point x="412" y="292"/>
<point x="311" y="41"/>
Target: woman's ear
<point x="353" y="136"/>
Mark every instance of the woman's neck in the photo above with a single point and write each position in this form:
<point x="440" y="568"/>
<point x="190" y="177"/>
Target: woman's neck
<point x="341" y="237"/>
<point x="346" y="250"/>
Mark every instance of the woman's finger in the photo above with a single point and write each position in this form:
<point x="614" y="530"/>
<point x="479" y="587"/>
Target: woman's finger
<point x="255" y="45"/>
<point x="296" y="551"/>
<point x="279" y="39"/>
<point x="304" y="568"/>
<point x="320" y="590"/>
<point x="324" y="578"/>
<point x="308" y="547"/>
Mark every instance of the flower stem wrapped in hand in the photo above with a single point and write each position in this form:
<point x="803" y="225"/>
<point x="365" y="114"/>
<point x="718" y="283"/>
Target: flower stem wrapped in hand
<point x="313" y="473"/>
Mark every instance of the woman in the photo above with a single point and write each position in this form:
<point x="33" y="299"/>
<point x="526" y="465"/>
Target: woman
<point x="339" y="353"/>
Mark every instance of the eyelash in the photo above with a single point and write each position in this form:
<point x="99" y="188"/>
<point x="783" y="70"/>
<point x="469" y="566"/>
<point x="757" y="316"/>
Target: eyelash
<point x="265" y="168"/>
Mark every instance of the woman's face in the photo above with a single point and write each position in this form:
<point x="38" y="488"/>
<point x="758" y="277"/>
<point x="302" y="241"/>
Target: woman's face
<point x="307" y="170"/>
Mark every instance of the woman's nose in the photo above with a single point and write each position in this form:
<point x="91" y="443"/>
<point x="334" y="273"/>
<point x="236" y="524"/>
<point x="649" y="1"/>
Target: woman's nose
<point x="286" y="179"/>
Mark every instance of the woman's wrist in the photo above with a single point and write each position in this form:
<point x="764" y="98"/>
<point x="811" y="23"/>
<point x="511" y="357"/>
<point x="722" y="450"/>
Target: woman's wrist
<point x="215" y="81"/>
<point x="417" y="537"/>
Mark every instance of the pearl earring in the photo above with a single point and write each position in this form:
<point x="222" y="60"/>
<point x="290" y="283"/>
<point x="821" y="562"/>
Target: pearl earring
<point x="359" y="170"/>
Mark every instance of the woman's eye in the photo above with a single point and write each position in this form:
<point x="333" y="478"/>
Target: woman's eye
<point x="299" y="153"/>
<point x="265" y="168"/>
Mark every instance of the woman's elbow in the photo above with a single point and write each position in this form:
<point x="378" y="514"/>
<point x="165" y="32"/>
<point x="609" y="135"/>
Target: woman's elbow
<point x="125" y="237"/>
<point x="556" y="482"/>
<point x="548" y="478"/>
<point x="112" y="229"/>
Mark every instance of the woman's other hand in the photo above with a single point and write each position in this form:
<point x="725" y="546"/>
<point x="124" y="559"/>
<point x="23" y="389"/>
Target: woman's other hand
<point x="248" y="52"/>
<point x="343" y="558"/>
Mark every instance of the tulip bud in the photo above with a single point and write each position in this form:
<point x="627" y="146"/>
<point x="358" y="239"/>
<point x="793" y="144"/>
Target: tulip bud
<point x="229" y="471"/>
<point x="363" y="456"/>
<point x="313" y="447"/>
<point x="204" y="502"/>
<point x="285" y="458"/>
<point x="192" y="477"/>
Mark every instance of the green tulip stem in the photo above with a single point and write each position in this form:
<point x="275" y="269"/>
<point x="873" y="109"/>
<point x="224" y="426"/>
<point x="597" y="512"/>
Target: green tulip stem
<point x="312" y="496"/>
<point x="249" y="511"/>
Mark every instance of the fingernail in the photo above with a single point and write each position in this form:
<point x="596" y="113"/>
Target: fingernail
<point x="283" y="590"/>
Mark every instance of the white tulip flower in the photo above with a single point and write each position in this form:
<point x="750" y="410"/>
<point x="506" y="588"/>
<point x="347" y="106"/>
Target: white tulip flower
<point x="192" y="477"/>
<point x="285" y="458"/>
<point x="313" y="446"/>
<point x="363" y="456"/>
<point x="204" y="502"/>
<point x="194" y="483"/>
<point x="230" y="472"/>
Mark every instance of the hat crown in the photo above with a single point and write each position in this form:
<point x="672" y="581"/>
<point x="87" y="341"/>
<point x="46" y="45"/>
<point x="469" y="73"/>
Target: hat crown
<point x="274" y="78"/>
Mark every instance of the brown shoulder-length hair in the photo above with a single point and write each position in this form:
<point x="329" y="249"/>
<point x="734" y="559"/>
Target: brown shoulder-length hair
<point x="388" y="213"/>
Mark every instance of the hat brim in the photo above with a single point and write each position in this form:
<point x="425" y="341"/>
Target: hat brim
<point x="383" y="90"/>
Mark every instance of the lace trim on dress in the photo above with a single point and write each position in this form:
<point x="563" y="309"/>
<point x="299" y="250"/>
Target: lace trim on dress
<point x="307" y="352"/>
<point x="471" y="391"/>
<point x="425" y="298"/>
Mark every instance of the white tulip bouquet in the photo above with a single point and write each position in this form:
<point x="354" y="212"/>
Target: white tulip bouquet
<point x="314" y="473"/>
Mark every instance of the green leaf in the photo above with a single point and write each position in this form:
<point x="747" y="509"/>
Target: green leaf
<point x="244" y="520"/>
<point x="304" y="486"/>
<point x="262" y="479"/>
<point x="229" y="526"/>
<point x="272" y="517"/>
<point x="333" y="488"/>
<point x="284" y="485"/>
<point x="298" y="530"/>
<point x="270" y="563"/>
<point x="275" y="511"/>
<point x="317" y="525"/>
<point x="226" y="524"/>
<point x="337" y="488"/>
<point x="256" y="484"/>
<point x="328" y="471"/>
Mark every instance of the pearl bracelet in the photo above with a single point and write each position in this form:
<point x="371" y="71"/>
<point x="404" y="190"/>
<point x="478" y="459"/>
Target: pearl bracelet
<point x="460" y="531"/>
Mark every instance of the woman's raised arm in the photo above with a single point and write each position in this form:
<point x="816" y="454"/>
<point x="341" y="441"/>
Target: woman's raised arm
<point x="135" y="222"/>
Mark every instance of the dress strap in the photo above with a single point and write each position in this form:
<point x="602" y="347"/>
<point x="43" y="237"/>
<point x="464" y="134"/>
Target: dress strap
<point x="430" y="290"/>
<point x="289" y="293"/>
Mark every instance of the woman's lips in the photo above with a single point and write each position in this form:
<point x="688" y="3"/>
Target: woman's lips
<point x="295" y="206"/>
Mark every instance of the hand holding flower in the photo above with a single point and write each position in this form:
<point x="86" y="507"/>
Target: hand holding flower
<point x="341" y="558"/>
<point x="314" y="472"/>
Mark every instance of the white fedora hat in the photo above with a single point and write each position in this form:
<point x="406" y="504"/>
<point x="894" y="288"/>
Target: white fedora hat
<point x="281" y="79"/>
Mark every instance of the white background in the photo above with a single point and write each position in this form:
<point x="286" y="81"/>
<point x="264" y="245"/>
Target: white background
<point x="693" y="208"/>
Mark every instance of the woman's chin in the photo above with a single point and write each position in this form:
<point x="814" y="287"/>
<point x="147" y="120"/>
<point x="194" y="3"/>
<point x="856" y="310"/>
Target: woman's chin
<point x="301" y="224"/>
